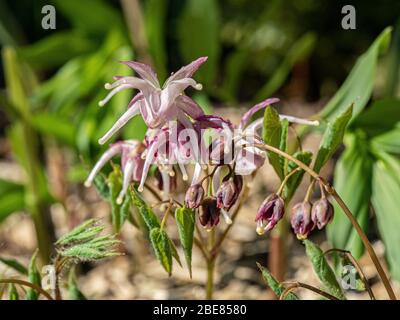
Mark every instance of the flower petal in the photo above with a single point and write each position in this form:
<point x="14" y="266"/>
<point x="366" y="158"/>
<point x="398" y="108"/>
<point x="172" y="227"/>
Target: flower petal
<point x="246" y="117"/>
<point x="189" y="106"/>
<point x="186" y="71"/>
<point x="145" y="71"/>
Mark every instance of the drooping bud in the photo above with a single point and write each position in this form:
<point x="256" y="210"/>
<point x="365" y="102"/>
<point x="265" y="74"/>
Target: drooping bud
<point x="209" y="213"/>
<point x="166" y="177"/>
<point x="301" y="220"/>
<point x="194" y="195"/>
<point x="228" y="193"/>
<point x="270" y="212"/>
<point x="322" y="212"/>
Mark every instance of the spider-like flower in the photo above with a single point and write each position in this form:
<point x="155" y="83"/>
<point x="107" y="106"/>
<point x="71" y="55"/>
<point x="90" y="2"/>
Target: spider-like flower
<point x="156" y="104"/>
<point x="131" y="163"/>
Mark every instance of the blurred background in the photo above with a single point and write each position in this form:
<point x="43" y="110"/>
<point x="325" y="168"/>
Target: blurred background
<point x="52" y="80"/>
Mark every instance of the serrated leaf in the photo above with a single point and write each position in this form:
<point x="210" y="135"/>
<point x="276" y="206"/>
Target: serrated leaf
<point x="274" y="284"/>
<point x="162" y="248"/>
<point x="76" y="233"/>
<point x="332" y="138"/>
<point x="33" y="277"/>
<point x="13" y="293"/>
<point x="323" y="270"/>
<point x="272" y="131"/>
<point x="150" y="219"/>
<point x="352" y="181"/>
<point x="73" y="290"/>
<point x="348" y="269"/>
<point x="101" y="186"/>
<point x="185" y="219"/>
<point x="295" y="180"/>
<point x="174" y="252"/>
<point x="359" y="84"/>
<point x="14" y="264"/>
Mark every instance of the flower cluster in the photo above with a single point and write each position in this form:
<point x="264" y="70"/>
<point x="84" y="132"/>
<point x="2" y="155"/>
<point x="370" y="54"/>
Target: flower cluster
<point x="180" y="134"/>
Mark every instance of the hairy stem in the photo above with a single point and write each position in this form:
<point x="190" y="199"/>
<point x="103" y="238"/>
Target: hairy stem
<point x="210" y="266"/>
<point x="28" y="284"/>
<point x="297" y="285"/>
<point x="345" y="209"/>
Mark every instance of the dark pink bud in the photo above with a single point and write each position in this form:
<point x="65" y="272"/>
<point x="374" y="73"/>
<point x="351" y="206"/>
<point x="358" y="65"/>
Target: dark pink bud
<point x="301" y="220"/>
<point x="270" y="212"/>
<point x="209" y="213"/>
<point x="228" y="192"/>
<point x="194" y="195"/>
<point x="160" y="180"/>
<point x="322" y="213"/>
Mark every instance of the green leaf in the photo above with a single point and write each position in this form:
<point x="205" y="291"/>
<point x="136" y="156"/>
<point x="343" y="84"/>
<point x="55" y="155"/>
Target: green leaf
<point x="275" y="286"/>
<point x="381" y="116"/>
<point x="100" y="183"/>
<point x="346" y="268"/>
<point x="185" y="219"/>
<point x="150" y="219"/>
<point x="13" y="294"/>
<point x="14" y="264"/>
<point x="200" y="20"/>
<point x="295" y="180"/>
<point x="54" y="125"/>
<point x="33" y="277"/>
<point x="56" y="49"/>
<point x="162" y="248"/>
<point x="119" y="212"/>
<point x="385" y="199"/>
<point x="73" y="290"/>
<point x="272" y="131"/>
<point x="358" y="86"/>
<point x="12" y="198"/>
<point x="81" y="231"/>
<point x="388" y="142"/>
<point x="323" y="270"/>
<point x="299" y="51"/>
<point x="352" y="181"/>
<point x="283" y="145"/>
<point x="332" y="138"/>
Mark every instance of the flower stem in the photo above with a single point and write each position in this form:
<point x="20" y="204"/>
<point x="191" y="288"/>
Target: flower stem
<point x="210" y="266"/>
<point x="28" y="284"/>
<point x="345" y="209"/>
<point x="296" y="285"/>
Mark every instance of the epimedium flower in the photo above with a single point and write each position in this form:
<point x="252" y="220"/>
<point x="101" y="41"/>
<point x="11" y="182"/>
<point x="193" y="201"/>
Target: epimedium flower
<point x="270" y="212"/>
<point x="157" y="105"/>
<point x="131" y="163"/>
<point x="209" y="213"/>
<point x="194" y="196"/>
<point x="301" y="219"/>
<point x="322" y="212"/>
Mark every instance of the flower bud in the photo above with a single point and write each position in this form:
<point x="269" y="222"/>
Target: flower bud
<point x="209" y="213"/>
<point x="301" y="220"/>
<point x="322" y="212"/>
<point x="194" y="195"/>
<point x="228" y="193"/>
<point x="270" y="212"/>
<point x="162" y="179"/>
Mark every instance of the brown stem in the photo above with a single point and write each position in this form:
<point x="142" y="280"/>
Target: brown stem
<point x="28" y="284"/>
<point x="153" y="192"/>
<point x="345" y="209"/>
<point x="297" y="285"/>
<point x="358" y="268"/>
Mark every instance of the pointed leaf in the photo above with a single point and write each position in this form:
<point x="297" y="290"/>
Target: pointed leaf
<point x="33" y="277"/>
<point x="323" y="270"/>
<point x="145" y="211"/>
<point x="162" y="248"/>
<point x="274" y="284"/>
<point x="295" y="180"/>
<point x="358" y="86"/>
<point x="14" y="264"/>
<point x="332" y="138"/>
<point x="13" y="294"/>
<point x="272" y="131"/>
<point x="185" y="219"/>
